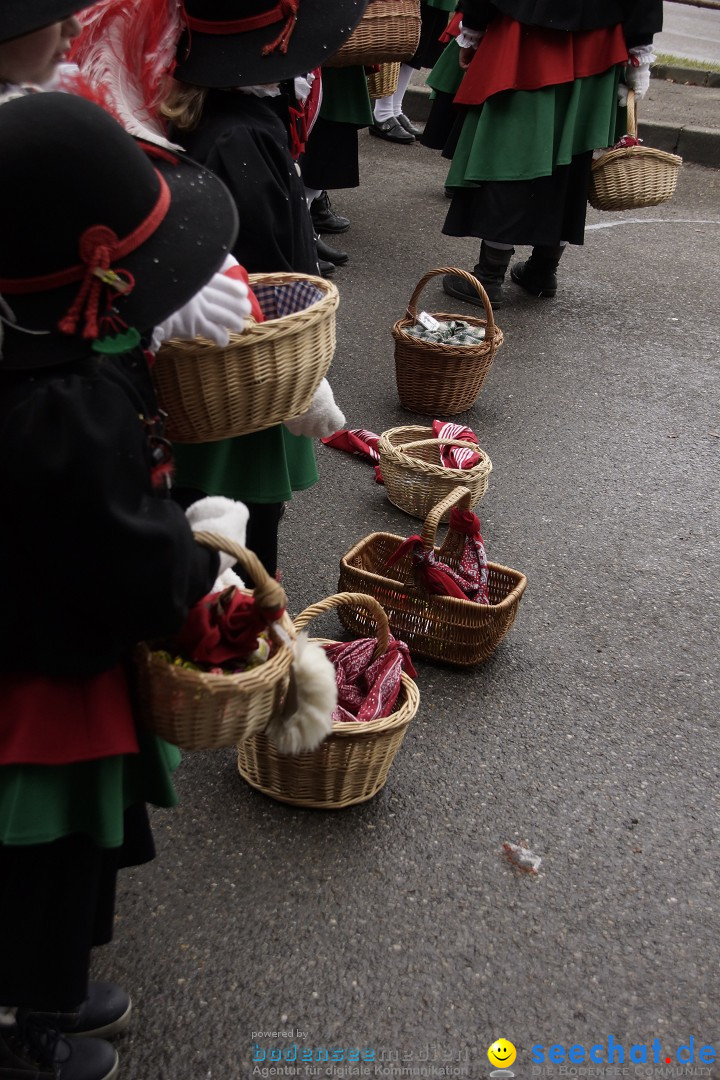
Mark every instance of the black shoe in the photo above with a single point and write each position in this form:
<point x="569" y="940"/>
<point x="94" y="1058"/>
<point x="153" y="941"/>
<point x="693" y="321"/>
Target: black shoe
<point x="327" y="269"/>
<point x="403" y="121"/>
<point x="324" y="217"/>
<point x="105" y="1012"/>
<point x="454" y="285"/>
<point x="538" y="274"/>
<point x="31" y="1052"/>
<point x="327" y="254"/>
<point x="391" y="130"/>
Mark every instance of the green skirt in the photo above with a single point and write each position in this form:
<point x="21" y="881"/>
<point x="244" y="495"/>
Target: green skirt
<point x="42" y="803"/>
<point x="447" y="74"/>
<point x="526" y="134"/>
<point x="265" y="467"/>
<point x="345" y="96"/>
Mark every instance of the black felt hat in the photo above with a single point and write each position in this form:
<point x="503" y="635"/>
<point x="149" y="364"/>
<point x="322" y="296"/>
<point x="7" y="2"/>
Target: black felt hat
<point x="97" y="234"/>
<point x="18" y="17"/>
<point x="229" y="43"/>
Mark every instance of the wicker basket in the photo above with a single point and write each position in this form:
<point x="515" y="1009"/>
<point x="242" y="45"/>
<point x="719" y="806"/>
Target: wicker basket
<point x="197" y="710"/>
<point x="633" y="176"/>
<point x="442" y="628"/>
<point x="384" y="82"/>
<point x="266" y="375"/>
<point x="388" y="31"/>
<point x="415" y="478"/>
<point x="438" y="379"/>
<point x="352" y="764"/>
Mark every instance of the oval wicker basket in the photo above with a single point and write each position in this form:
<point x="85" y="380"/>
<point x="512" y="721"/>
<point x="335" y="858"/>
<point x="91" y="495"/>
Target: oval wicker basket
<point x="631" y="177"/>
<point x="197" y="710"/>
<point x="384" y="82"/>
<point x="441" y="628"/>
<point x="352" y="764"/>
<point x="388" y="31"/>
<point x="414" y="476"/>
<point x="439" y="379"/>
<point x="266" y="375"/>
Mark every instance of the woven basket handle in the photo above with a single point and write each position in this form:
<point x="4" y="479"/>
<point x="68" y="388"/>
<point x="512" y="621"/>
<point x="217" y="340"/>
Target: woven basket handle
<point x="631" y="114"/>
<point x="459" y="496"/>
<point x="412" y="306"/>
<point x="269" y="593"/>
<point x="382" y="632"/>
<point x="441" y="442"/>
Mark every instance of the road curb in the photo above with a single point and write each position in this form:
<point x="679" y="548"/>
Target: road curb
<point x="701" y="146"/>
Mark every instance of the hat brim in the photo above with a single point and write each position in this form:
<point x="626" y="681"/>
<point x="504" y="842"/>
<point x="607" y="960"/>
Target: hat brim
<point x="230" y="60"/>
<point x="16" y="20"/>
<point x="180" y="257"/>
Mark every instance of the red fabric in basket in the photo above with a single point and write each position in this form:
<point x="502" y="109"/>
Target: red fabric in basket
<point x="470" y="582"/>
<point x="223" y="626"/>
<point x="367" y="688"/>
<point x="456" y="457"/>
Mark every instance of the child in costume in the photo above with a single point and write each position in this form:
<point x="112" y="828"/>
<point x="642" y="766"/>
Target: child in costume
<point x="227" y="109"/>
<point x="98" y="250"/>
<point x="390" y="122"/>
<point x="539" y="94"/>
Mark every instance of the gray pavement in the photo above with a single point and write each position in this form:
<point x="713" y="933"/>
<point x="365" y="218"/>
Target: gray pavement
<point x="592" y="735"/>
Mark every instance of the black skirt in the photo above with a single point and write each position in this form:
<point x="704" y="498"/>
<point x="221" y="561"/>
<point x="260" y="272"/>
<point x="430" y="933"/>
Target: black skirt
<point x="57" y="901"/>
<point x="331" y="156"/>
<point x="545" y="211"/>
<point x="433" y="23"/>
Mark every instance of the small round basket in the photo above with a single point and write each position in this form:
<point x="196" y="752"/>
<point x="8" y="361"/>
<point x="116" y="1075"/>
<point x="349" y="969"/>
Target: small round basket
<point x="631" y="177"/>
<point x="388" y="31"/>
<point x="266" y="375"/>
<point x="197" y="710"/>
<point x="384" y="82"/>
<point x="352" y="764"/>
<point x="414" y="476"/>
<point x="437" y="379"/>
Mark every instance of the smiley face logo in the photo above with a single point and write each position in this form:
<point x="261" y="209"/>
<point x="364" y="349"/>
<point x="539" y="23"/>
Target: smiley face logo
<point x="501" y="1054"/>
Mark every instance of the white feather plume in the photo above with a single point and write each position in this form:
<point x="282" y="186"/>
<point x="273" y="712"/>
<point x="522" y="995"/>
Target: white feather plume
<point x="126" y="52"/>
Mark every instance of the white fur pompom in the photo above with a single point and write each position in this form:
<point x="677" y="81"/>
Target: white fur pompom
<point x="312" y="698"/>
<point x="226" y="579"/>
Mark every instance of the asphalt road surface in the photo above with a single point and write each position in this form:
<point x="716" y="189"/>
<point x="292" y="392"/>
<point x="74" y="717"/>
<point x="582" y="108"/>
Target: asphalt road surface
<point x="396" y="927"/>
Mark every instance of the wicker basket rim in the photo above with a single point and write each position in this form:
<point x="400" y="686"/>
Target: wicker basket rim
<point x="401" y="456"/>
<point x="450" y="602"/>
<point x="621" y="153"/>
<point x="213" y="684"/>
<point x="255" y="333"/>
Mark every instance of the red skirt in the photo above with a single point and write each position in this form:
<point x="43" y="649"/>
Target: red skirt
<point x="515" y="57"/>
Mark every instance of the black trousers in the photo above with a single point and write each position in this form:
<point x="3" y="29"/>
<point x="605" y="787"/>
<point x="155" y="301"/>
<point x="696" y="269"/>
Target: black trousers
<point x="57" y="901"/>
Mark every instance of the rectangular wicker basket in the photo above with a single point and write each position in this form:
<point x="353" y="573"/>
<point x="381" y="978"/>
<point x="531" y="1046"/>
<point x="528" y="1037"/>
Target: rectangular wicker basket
<point x="441" y="628"/>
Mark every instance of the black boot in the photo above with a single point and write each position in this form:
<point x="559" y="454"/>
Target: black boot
<point x="324" y="217"/>
<point x="490" y="271"/>
<point x="328" y="254"/>
<point x="537" y="275"/>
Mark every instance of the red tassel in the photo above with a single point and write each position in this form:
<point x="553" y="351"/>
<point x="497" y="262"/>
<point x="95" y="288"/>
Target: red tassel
<point x="289" y="10"/>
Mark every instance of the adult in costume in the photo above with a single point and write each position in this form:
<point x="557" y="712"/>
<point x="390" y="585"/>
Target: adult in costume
<point x="539" y="94"/>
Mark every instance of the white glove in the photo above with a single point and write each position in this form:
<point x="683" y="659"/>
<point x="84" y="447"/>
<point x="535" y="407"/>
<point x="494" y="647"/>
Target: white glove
<point x="469" y="39"/>
<point x="217" y="514"/>
<point x="637" y="73"/>
<point x="220" y="306"/>
<point x="323" y="418"/>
